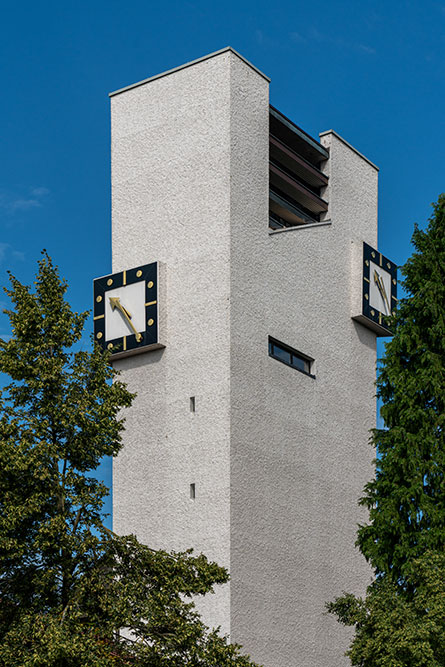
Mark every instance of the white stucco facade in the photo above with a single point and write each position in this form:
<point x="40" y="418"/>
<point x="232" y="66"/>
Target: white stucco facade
<point x="278" y="458"/>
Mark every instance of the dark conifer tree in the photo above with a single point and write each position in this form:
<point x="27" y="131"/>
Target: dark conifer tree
<point x="401" y="622"/>
<point x="406" y="500"/>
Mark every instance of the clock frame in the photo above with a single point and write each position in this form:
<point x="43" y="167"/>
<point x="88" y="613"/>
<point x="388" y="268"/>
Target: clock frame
<point x="377" y="268"/>
<point x="148" y="337"/>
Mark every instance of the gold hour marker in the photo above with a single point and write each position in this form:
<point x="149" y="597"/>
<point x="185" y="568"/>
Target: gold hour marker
<point x="380" y="318"/>
<point x="151" y="303"/>
<point x="110" y="346"/>
<point x="124" y="343"/>
<point x="138" y="273"/>
<point x="99" y="335"/>
<point x="98" y="317"/>
<point x="365" y="278"/>
<point x="366" y="296"/>
<point x="367" y="262"/>
<point x="388" y="265"/>
<point x="98" y="299"/>
<point x="394" y="281"/>
<point x="373" y="254"/>
<point x="150" y="284"/>
<point x="150" y="322"/>
<point x="124" y="277"/>
<point x="372" y="312"/>
<point x="381" y="260"/>
<point x="109" y="282"/>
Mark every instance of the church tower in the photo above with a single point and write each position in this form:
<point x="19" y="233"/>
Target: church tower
<point x="242" y="250"/>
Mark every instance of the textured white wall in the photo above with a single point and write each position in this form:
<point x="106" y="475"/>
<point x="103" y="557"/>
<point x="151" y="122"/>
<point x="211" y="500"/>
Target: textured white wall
<point x="279" y="459"/>
<point x="171" y="203"/>
<point x="300" y="452"/>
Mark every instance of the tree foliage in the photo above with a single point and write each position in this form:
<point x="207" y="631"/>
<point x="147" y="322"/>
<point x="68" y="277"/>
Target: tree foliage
<point x="396" y="630"/>
<point x="73" y="594"/>
<point x="406" y="500"/>
<point x="404" y="540"/>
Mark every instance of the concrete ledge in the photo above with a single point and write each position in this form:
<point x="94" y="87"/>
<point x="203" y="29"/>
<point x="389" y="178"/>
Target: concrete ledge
<point x="324" y="223"/>
<point x="189" y="64"/>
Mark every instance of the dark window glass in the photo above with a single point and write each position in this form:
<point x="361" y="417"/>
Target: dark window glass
<point x="289" y="356"/>
<point x="300" y="363"/>
<point x="282" y="355"/>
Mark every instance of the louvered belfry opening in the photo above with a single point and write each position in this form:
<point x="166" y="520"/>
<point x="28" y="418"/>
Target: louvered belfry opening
<point x="296" y="180"/>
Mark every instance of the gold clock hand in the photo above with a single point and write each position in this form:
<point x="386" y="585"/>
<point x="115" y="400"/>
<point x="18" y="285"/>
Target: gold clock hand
<point x="115" y="303"/>
<point x="377" y="282"/>
<point x="380" y="284"/>
<point x="383" y="293"/>
<point x="386" y="298"/>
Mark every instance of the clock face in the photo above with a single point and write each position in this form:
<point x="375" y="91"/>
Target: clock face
<point x="126" y="310"/>
<point x="379" y="287"/>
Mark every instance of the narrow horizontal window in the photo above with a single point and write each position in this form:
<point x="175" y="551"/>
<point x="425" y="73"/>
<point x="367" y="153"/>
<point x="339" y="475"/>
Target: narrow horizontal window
<point x="287" y="355"/>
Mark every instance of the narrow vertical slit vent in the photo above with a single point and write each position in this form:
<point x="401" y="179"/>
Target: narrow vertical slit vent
<point x="192" y="404"/>
<point x="192" y="491"/>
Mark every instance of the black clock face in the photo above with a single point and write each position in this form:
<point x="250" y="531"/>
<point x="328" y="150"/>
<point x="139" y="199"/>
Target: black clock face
<point x="379" y="287"/>
<point x="126" y="310"/>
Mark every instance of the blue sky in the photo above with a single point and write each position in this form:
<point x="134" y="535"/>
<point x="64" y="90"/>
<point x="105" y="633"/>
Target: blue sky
<point x="372" y="71"/>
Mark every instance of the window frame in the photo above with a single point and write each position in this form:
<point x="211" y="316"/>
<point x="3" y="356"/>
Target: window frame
<point x="307" y="361"/>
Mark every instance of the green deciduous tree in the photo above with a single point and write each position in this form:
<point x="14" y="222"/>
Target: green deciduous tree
<point x="396" y="630"/>
<point x="71" y="592"/>
<point x="404" y="540"/>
